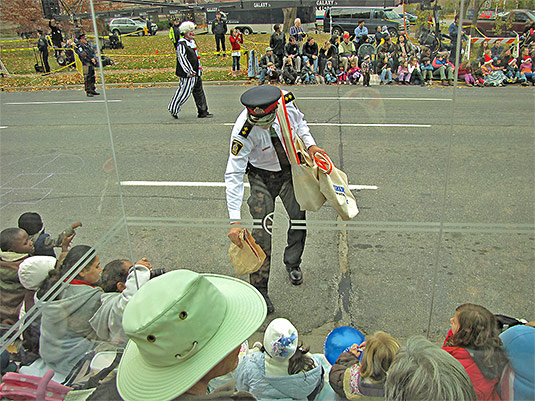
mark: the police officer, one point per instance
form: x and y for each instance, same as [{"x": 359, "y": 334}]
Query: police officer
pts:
[
  {"x": 87, "y": 55},
  {"x": 256, "y": 149},
  {"x": 188, "y": 68},
  {"x": 42, "y": 45},
  {"x": 219, "y": 29}
]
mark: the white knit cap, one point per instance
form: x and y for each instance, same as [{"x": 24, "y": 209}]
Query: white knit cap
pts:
[
  {"x": 280, "y": 343},
  {"x": 34, "y": 270}
]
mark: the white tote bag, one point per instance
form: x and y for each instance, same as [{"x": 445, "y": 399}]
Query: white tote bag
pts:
[
  {"x": 305, "y": 176},
  {"x": 335, "y": 187}
]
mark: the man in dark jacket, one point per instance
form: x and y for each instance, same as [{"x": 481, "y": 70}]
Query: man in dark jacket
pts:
[
  {"x": 42, "y": 45},
  {"x": 277, "y": 42},
  {"x": 291, "y": 50},
  {"x": 267, "y": 58},
  {"x": 219, "y": 29},
  {"x": 56, "y": 36},
  {"x": 86, "y": 52},
  {"x": 311, "y": 51},
  {"x": 189, "y": 70}
]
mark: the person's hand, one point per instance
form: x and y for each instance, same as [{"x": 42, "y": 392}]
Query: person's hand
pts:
[
  {"x": 66, "y": 241},
  {"x": 234, "y": 234},
  {"x": 357, "y": 349},
  {"x": 144, "y": 262},
  {"x": 314, "y": 149},
  {"x": 192, "y": 75},
  {"x": 76, "y": 225}
]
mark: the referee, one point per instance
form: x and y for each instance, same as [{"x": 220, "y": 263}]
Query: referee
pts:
[{"x": 189, "y": 70}]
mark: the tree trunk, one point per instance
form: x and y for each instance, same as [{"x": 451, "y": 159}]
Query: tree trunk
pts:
[
  {"x": 477, "y": 7},
  {"x": 290, "y": 14}
]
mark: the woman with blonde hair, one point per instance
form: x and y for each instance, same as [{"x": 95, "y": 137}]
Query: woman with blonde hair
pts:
[{"x": 351, "y": 379}]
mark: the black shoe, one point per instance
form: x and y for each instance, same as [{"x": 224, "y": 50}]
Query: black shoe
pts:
[
  {"x": 95, "y": 93},
  {"x": 174, "y": 116},
  {"x": 295, "y": 274},
  {"x": 270, "y": 307},
  {"x": 90, "y": 94},
  {"x": 206, "y": 115}
]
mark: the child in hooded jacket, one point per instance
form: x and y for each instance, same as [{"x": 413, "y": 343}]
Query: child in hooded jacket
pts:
[
  {"x": 329, "y": 74},
  {"x": 281, "y": 369},
  {"x": 353, "y": 74},
  {"x": 404, "y": 76},
  {"x": 366, "y": 70}
]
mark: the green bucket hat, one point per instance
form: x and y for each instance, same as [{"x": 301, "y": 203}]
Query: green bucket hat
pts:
[{"x": 181, "y": 325}]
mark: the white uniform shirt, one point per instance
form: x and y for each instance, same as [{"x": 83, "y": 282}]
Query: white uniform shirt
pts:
[{"x": 258, "y": 150}]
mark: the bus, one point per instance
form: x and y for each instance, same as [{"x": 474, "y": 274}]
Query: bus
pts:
[{"x": 260, "y": 19}]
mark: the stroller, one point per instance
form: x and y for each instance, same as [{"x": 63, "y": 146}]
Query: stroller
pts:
[{"x": 113, "y": 42}]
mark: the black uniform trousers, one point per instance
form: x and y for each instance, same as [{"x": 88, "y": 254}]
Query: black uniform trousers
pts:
[
  {"x": 188, "y": 86},
  {"x": 220, "y": 42},
  {"x": 89, "y": 78},
  {"x": 265, "y": 187},
  {"x": 44, "y": 58}
]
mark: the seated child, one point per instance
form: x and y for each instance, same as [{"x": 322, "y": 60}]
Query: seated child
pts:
[
  {"x": 465, "y": 72},
  {"x": 15, "y": 246},
  {"x": 353, "y": 74},
  {"x": 427, "y": 70},
  {"x": 477, "y": 73},
  {"x": 33, "y": 271},
  {"x": 329, "y": 73},
  {"x": 342, "y": 76},
  {"x": 281, "y": 369},
  {"x": 414, "y": 70},
  {"x": 289, "y": 74},
  {"x": 43, "y": 243},
  {"x": 513, "y": 73},
  {"x": 119, "y": 282},
  {"x": 351, "y": 379},
  {"x": 404, "y": 77},
  {"x": 386, "y": 71},
  {"x": 272, "y": 73},
  {"x": 473, "y": 340},
  {"x": 366, "y": 70},
  {"x": 307, "y": 76}
]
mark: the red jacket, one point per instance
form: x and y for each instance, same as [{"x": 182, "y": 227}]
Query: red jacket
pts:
[
  {"x": 485, "y": 388},
  {"x": 235, "y": 41}
]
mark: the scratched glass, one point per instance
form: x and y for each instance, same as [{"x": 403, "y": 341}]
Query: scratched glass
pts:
[{"x": 442, "y": 175}]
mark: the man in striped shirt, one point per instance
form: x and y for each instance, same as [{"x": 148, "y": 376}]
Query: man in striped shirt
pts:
[{"x": 189, "y": 70}]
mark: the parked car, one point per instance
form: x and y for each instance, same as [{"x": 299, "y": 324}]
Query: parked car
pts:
[
  {"x": 506, "y": 25},
  {"x": 409, "y": 17},
  {"x": 122, "y": 25},
  {"x": 340, "y": 19}
]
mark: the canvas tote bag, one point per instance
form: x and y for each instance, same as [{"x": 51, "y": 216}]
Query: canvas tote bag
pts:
[
  {"x": 335, "y": 187},
  {"x": 249, "y": 258},
  {"x": 304, "y": 171}
]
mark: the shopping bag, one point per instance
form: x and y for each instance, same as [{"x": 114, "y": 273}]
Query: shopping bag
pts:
[
  {"x": 249, "y": 257},
  {"x": 304, "y": 171},
  {"x": 335, "y": 187}
]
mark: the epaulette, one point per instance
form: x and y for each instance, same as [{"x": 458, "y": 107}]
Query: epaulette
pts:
[
  {"x": 289, "y": 97},
  {"x": 246, "y": 129}
]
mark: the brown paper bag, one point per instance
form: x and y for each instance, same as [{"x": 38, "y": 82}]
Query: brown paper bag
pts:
[{"x": 249, "y": 258}]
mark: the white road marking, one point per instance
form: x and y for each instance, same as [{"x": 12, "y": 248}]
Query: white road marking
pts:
[
  {"x": 418, "y": 99},
  {"x": 64, "y": 102},
  {"x": 204, "y": 184},
  {"x": 3, "y": 127}
]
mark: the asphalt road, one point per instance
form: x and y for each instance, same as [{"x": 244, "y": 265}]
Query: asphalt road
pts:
[{"x": 445, "y": 182}]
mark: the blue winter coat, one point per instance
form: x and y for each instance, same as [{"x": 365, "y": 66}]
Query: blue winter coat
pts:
[{"x": 250, "y": 376}]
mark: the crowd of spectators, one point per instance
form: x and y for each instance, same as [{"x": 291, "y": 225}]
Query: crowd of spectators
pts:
[
  {"x": 340, "y": 60},
  {"x": 191, "y": 330}
]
